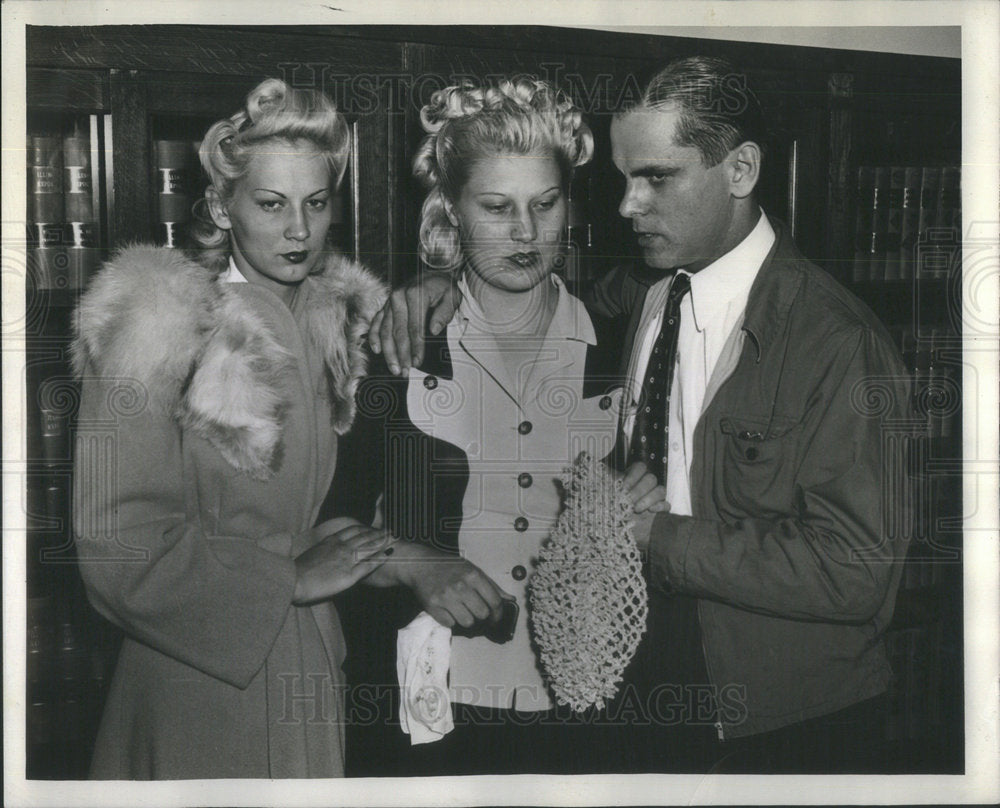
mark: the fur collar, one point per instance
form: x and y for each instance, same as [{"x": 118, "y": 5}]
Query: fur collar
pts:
[{"x": 208, "y": 359}]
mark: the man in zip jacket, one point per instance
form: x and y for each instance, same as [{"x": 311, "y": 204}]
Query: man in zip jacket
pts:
[{"x": 778, "y": 438}]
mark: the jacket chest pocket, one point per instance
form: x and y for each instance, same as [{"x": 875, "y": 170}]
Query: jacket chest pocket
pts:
[{"x": 757, "y": 474}]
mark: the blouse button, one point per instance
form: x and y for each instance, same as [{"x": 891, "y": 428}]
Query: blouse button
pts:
[
  {"x": 524, "y": 479},
  {"x": 751, "y": 453},
  {"x": 520, "y": 524},
  {"x": 605, "y": 402},
  {"x": 524, "y": 427},
  {"x": 430, "y": 382},
  {"x": 518, "y": 573}
]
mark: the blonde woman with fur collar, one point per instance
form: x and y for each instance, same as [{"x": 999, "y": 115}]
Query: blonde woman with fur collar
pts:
[{"x": 213, "y": 394}]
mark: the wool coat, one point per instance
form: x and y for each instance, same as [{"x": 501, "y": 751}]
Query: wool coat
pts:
[{"x": 206, "y": 441}]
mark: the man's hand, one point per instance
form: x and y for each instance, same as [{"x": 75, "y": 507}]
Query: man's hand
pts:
[
  {"x": 344, "y": 551},
  {"x": 398, "y": 330},
  {"x": 642, "y": 528},
  {"x": 646, "y": 493}
]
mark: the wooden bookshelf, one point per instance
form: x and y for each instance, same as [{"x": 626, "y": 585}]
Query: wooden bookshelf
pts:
[{"x": 832, "y": 112}]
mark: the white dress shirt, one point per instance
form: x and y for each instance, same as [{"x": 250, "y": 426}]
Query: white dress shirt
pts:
[{"x": 710, "y": 314}]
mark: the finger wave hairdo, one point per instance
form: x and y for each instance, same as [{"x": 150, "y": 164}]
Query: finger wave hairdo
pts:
[
  {"x": 273, "y": 111},
  {"x": 717, "y": 108},
  {"x": 466, "y": 121}
]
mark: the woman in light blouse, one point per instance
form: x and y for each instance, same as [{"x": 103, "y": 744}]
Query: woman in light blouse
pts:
[{"x": 475, "y": 439}]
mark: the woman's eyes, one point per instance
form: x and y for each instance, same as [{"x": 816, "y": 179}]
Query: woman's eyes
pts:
[
  {"x": 272, "y": 205},
  {"x": 542, "y": 204}
]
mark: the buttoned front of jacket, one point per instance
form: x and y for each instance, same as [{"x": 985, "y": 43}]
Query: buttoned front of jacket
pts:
[{"x": 518, "y": 435}]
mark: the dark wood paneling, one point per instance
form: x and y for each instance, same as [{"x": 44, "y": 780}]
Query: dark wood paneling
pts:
[
  {"x": 375, "y": 220},
  {"x": 132, "y": 214},
  {"x": 216, "y": 50},
  {"x": 813, "y": 139},
  {"x": 656, "y": 48},
  {"x": 839, "y": 210},
  {"x": 74, "y": 90},
  {"x": 197, "y": 94}
]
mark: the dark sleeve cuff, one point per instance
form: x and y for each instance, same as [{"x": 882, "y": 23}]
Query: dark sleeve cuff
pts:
[{"x": 668, "y": 542}]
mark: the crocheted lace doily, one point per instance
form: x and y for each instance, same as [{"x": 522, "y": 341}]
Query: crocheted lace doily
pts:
[{"x": 588, "y": 594}]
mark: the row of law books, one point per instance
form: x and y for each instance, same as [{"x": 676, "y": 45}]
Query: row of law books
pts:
[
  {"x": 67, "y": 674},
  {"x": 933, "y": 360},
  {"x": 176, "y": 166},
  {"x": 64, "y": 209},
  {"x": 900, "y": 211},
  {"x": 63, "y": 230}
]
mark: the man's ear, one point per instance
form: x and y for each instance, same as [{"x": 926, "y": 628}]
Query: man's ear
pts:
[
  {"x": 744, "y": 169},
  {"x": 217, "y": 209}
]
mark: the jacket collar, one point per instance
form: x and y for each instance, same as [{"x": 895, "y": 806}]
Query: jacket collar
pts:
[
  {"x": 773, "y": 291},
  {"x": 570, "y": 323}
]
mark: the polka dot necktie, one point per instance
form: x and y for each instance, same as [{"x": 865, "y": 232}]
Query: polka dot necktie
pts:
[{"x": 652, "y": 423}]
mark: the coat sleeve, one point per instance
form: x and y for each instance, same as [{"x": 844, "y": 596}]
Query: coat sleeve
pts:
[
  {"x": 827, "y": 558},
  {"x": 213, "y": 602}
]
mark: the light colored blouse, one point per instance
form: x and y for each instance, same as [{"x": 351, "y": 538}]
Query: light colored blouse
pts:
[{"x": 518, "y": 434}]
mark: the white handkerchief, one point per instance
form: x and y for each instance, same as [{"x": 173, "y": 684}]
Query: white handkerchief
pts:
[{"x": 423, "y": 654}]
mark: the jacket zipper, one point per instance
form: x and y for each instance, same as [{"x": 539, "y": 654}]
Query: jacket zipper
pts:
[{"x": 711, "y": 679}]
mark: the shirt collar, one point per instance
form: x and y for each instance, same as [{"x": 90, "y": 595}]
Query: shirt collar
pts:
[
  {"x": 725, "y": 283},
  {"x": 569, "y": 321}
]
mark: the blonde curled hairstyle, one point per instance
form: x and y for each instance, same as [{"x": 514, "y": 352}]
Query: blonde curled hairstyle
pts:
[
  {"x": 464, "y": 122},
  {"x": 273, "y": 111}
]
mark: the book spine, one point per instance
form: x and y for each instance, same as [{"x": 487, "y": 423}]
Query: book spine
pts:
[
  {"x": 81, "y": 223},
  {"x": 862, "y": 223},
  {"x": 934, "y": 382},
  {"x": 40, "y": 643},
  {"x": 173, "y": 160},
  {"x": 46, "y": 258},
  {"x": 930, "y": 184},
  {"x": 946, "y": 374},
  {"x": 922, "y": 378},
  {"x": 948, "y": 217},
  {"x": 879, "y": 223},
  {"x": 909, "y": 222},
  {"x": 55, "y": 441},
  {"x": 894, "y": 223},
  {"x": 949, "y": 209}
]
